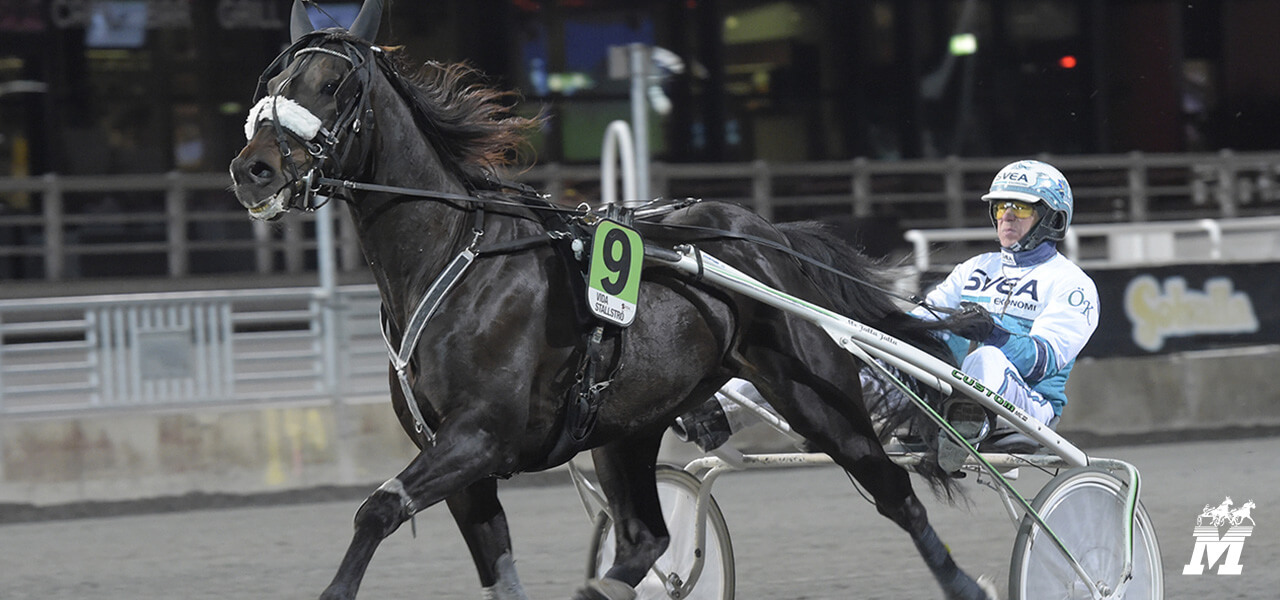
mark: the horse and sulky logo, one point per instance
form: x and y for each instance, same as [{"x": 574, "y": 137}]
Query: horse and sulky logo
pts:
[{"x": 1212, "y": 545}]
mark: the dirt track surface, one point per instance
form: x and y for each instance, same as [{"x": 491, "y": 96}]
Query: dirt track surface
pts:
[{"x": 797, "y": 534}]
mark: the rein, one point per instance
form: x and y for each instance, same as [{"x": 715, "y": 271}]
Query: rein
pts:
[
  {"x": 713, "y": 233},
  {"x": 640, "y": 214}
]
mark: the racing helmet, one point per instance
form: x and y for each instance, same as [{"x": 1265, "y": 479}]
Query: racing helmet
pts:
[{"x": 1044, "y": 187}]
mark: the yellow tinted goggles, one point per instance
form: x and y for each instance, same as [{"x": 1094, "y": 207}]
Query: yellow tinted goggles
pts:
[{"x": 1020, "y": 210}]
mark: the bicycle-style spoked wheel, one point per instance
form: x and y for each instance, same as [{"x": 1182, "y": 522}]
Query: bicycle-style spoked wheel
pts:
[
  {"x": 678, "y": 492},
  {"x": 1085, "y": 507}
]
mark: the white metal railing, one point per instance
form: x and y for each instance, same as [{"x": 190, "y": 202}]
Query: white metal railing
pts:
[
  {"x": 1200, "y": 240},
  {"x": 157, "y": 351},
  {"x": 942, "y": 193},
  {"x": 59, "y": 223},
  {"x": 57, "y": 227},
  {"x": 153, "y": 351}
]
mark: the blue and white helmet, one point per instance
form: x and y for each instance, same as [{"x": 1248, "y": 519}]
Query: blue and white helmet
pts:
[{"x": 1041, "y": 185}]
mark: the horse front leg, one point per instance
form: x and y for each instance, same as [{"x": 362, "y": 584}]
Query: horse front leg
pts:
[
  {"x": 483, "y": 524},
  {"x": 626, "y": 471},
  {"x": 436, "y": 473},
  {"x": 378, "y": 517}
]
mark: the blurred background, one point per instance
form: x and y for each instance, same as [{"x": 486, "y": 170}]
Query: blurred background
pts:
[{"x": 153, "y": 338}]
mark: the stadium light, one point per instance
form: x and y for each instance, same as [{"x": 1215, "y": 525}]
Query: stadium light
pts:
[{"x": 963, "y": 44}]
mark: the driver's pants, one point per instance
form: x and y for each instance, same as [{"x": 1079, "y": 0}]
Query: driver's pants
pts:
[{"x": 990, "y": 366}]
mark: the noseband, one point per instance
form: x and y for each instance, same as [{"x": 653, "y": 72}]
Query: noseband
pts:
[{"x": 334, "y": 145}]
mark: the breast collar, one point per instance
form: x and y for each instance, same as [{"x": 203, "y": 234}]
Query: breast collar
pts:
[{"x": 402, "y": 356}]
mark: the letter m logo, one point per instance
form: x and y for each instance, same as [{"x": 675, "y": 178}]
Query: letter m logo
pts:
[{"x": 1209, "y": 547}]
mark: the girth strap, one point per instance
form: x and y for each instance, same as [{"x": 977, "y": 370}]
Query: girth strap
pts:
[
  {"x": 413, "y": 331},
  {"x": 583, "y": 404}
]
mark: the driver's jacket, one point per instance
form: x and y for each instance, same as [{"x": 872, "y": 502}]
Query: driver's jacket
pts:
[{"x": 1047, "y": 305}]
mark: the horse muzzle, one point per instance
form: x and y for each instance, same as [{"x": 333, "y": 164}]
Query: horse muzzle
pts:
[
  {"x": 261, "y": 183},
  {"x": 273, "y": 207}
]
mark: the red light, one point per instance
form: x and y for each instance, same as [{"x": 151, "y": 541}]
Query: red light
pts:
[{"x": 1067, "y": 62}]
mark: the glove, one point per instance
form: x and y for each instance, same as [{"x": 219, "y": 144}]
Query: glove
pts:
[{"x": 973, "y": 322}]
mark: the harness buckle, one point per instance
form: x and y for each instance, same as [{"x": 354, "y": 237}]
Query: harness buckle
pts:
[
  {"x": 316, "y": 150},
  {"x": 587, "y": 217},
  {"x": 475, "y": 239}
]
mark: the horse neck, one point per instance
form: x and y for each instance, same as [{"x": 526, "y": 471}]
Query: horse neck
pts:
[{"x": 407, "y": 241}]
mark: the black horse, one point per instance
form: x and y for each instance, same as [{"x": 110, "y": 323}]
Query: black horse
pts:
[{"x": 511, "y": 375}]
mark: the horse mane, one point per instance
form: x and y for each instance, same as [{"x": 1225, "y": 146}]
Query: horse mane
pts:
[{"x": 472, "y": 124}]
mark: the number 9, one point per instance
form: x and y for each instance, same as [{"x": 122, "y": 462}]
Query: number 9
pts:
[{"x": 615, "y": 238}]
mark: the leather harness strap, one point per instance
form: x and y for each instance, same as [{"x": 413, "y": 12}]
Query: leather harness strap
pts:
[{"x": 401, "y": 357}]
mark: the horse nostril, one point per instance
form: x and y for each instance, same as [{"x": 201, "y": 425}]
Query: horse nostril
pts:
[{"x": 261, "y": 171}]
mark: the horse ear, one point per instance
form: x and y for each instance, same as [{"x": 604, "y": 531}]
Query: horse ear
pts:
[
  {"x": 299, "y": 21},
  {"x": 366, "y": 24}
]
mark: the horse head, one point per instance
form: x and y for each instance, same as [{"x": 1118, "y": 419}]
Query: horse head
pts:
[{"x": 309, "y": 120}]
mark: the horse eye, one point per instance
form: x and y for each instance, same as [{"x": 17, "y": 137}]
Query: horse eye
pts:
[{"x": 330, "y": 88}]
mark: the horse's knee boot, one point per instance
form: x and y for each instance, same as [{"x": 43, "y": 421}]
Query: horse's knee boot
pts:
[
  {"x": 508, "y": 585},
  {"x": 384, "y": 510}
]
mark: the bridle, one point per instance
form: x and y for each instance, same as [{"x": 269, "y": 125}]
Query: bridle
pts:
[{"x": 330, "y": 147}]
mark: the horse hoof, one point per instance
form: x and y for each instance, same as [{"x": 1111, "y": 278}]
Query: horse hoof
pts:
[
  {"x": 605, "y": 589},
  {"x": 968, "y": 588},
  {"x": 987, "y": 584}
]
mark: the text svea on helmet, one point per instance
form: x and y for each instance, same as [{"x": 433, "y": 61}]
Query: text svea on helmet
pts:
[{"x": 1035, "y": 182}]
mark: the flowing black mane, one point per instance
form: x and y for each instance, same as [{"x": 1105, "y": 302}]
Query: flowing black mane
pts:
[{"x": 472, "y": 124}]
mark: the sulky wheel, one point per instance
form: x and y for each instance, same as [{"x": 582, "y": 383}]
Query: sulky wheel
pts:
[
  {"x": 678, "y": 492},
  {"x": 1085, "y": 507}
]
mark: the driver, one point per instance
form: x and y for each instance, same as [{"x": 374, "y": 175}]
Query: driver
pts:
[
  {"x": 1034, "y": 308},
  {"x": 1037, "y": 308}
]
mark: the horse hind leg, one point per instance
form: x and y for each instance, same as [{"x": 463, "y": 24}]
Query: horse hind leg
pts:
[
  {"x": 483, "y": 525},
  {"x": 890, "y": 485},
  {"x": 836, "y": 423},
  {"x": 626, "y": 472}
]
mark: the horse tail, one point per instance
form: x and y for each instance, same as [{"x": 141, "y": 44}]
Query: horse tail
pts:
[{"x": 863, "y": 296}]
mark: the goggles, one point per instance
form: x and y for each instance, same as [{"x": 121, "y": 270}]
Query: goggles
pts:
[{"x": 1020, "y": 210}]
